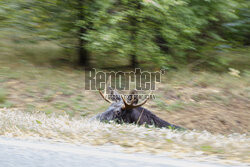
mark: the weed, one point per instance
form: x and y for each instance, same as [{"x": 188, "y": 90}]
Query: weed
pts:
[
  {"x": 49, "y": 97},
  {"x": 208, "y": 148},
  {"x": 3, "y": 96},
  {"x": 176, "y": 106}
]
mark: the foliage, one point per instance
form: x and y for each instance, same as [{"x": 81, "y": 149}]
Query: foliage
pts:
[
  {"x": 155, "y": 31},
  {"x": 239, "y": 29}
]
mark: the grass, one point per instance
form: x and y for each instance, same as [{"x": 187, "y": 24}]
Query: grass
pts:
[
  {"x": 173, "y": 107},
  {"x": 208, "y": 148},
  {"x": 4, "y": 99},
  {"x": 3, "y": 96},
  {"x": 194, "y": 100},
  {"x": 80, "y": 130}
]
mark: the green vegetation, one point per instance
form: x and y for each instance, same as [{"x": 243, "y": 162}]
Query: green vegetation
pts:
[
  {"x": 146, "y": 33},
  {"x": 210, "y": 149},
  {"x": 2, "y": 96},
  {"x": 219, "y": 100},
  {"x": 202, "y": 44}
]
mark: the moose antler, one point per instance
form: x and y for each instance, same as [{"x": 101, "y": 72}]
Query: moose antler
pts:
[
  {"x": 104, "y": 96},
  {"x": 131, "y": 106}
]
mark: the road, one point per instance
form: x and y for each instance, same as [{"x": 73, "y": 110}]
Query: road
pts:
[{"x": 26, "y": 153}]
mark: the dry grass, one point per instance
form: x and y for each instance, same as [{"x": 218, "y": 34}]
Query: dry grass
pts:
[
  {"x": 218, "y": 103},
  {"x": 16, "y": 123}
]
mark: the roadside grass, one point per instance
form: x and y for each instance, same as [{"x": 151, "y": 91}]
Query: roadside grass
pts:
[
  {"x": 217, "y": 102},
  {"x": 208, "y": 148},
  {"x": 3, "y": 96},
  {"x": 232, "y": 148}
]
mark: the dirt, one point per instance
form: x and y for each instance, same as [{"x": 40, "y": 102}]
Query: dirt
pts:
[
  {"x": 222, "y": 117},
  {"x": 217, "y": 109}
]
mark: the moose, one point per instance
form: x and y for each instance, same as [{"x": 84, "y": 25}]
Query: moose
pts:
[{"x": 129, "y": 110}]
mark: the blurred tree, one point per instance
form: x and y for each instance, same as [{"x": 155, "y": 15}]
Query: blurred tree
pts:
[
  {"x": 64, "y": 21},
  {"x": 83, "y": 53},
  {"x": 133, "y": 19},
  {"x": 239, "y": 28},
  {"x": 152, "y": 31}
]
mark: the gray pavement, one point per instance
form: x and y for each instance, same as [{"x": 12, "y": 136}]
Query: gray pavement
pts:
[{"x": 25, "y": 153}]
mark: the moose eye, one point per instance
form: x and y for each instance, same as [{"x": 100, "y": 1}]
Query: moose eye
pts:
[{"x": 118, "y": 113}]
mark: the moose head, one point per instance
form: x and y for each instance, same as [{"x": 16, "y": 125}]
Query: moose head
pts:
[{"x": 129, "y": 110}]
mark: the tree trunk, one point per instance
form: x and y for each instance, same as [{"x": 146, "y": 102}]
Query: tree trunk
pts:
[
  {"x": 133, "y": 32},
  {"x": 134, "y": 62},
  {"x": 82, "y": 52}
]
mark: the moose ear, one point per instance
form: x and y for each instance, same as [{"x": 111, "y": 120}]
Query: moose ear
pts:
[
  {"x": 115, "y": 96},
  {"x": 133, "y": 95}
]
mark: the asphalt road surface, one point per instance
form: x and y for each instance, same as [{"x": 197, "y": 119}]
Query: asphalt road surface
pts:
[{"x": 24, "y": 153}]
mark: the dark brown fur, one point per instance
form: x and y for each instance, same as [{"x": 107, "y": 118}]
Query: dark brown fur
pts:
[{"x": 138, "y": 115}]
